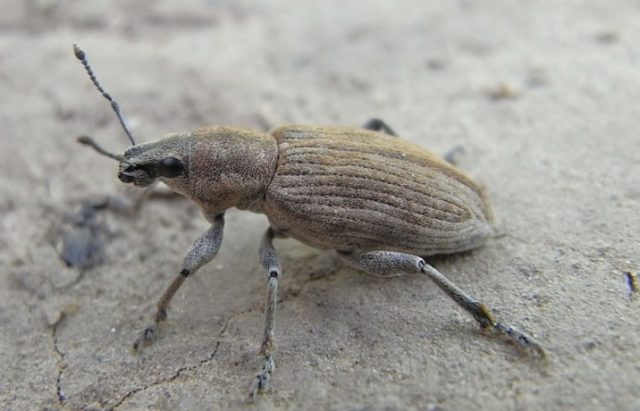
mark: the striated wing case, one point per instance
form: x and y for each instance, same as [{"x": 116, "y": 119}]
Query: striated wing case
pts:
[{"x": 351, "y": 189}]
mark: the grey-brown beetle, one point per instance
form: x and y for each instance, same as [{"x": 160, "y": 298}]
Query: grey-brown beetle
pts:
[{"x": 382, "y": 203}]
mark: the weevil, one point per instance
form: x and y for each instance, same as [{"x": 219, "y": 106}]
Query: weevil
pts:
[{"x": 382, "y": 203}]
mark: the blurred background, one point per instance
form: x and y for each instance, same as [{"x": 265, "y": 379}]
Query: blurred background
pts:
[{"x": 542, "y": 98}]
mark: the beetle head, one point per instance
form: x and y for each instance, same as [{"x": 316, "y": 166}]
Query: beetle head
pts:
[
  {"x": 162, "y": 160},
  {"x": 218, "y": 167},
  {"x": 143, "y": 164}
]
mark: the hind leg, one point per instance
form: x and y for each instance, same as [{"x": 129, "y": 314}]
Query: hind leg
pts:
[
  {"x": 385, "y": 262},
  {"x": 375, "y": 124}
]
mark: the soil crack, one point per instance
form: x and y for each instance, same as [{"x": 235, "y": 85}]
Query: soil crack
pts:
[
  {"x": 177, "y": 373},
  {"x": 284, "y": 297},
  {"x": 62, "y": 365},
  {"x": 170, "y": 379}
]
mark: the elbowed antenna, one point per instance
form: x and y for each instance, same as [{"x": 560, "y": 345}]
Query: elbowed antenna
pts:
[
  {"x": 88, "y": 141},
  {"x": 81, "y": 55}
]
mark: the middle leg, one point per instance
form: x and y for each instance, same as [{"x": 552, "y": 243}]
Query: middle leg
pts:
[{"x": 270, "y": 262}]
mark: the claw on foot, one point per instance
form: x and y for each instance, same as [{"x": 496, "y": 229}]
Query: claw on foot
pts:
[
  {"x": 521, "y": 338},
  {"x": 261, "y": 380},
  {"x": 145, "y": 339}
]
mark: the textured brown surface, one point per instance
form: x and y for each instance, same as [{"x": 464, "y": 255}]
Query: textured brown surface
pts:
[
  {"x": 347, "y": 189},
  {"x": 225, "y": 166},
  {"x": 542, "y": 96}
]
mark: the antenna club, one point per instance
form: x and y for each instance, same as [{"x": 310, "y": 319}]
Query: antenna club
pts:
[
  {"x": 80, "y": 54},
  {"x": 86, "y": 140}
]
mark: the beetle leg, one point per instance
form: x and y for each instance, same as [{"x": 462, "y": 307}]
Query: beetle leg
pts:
[
  {"x": 376, "y": 124},
  {"x": 380, "y": 262},
  {"x": 203, "y": 250},
  {"x": 453, "y": 155},
  {"x": 269, "y": 261}
]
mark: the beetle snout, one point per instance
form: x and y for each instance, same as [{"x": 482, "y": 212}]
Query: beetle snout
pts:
[
  {"x": 127, "y": 173},
  {"x": 134, "y": 174},
  {"x": 125, "y": 178}
]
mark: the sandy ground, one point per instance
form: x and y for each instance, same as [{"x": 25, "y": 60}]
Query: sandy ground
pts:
[{"x": 543, "y": 97}]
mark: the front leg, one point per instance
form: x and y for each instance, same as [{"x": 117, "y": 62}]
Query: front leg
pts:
[
  {"x": 203, "y": 250},
  {"x": 269, "y": 261},
  {"x": 385, "y": 262}
]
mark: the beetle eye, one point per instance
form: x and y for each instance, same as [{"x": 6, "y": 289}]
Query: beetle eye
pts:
[{"x": 170, "y": 167}]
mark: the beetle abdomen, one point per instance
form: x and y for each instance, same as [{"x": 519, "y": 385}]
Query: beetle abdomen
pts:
[{"x": 350, "y": 189}]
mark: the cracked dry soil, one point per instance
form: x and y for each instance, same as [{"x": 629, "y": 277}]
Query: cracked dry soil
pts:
[{"x": 542, "y": 98}]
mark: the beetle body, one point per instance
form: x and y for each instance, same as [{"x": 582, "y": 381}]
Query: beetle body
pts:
[
  {"x": 381, "y": 202},
  {"x": 351, "y": 189},
  {"x": 339, "y": 188}
]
